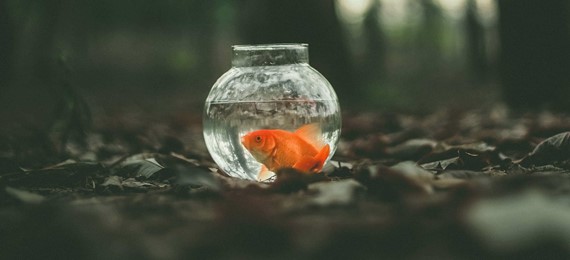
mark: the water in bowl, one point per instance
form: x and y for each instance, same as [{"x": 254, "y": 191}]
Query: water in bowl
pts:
[{"x": 225, "y": 123}]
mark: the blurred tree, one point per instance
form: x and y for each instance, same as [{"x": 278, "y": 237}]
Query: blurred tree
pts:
[
  {"x": 476, "y": 49},
  {"x": 39, "y": 96},
  {"x": 28, "y": 97},
  {"x": 312, "y": 22},
  {"x": 535, "y": 53},
  {"x": 429, "y": 36},
  {"x": 6, "y": 45},
  {"x": 373, "y": 65},
  {"x": 42, "y": 51}
]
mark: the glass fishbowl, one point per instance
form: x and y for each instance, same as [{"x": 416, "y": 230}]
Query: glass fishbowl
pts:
[{"x": 269, "y": 111}]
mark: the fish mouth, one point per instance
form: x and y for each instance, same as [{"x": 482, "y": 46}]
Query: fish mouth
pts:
[{"x": 244, "y": 141}]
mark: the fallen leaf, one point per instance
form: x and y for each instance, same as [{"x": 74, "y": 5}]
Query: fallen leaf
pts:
[
  {"x": 412, "y": 149},
  {"x": 24, "y": 196},
  {"x": 389, "y": 184},
  {"x": 191, "y": 175},
  {"x": 144, "y": 169},
  {"x": 461, "y": 174},
  {"x": 113, "y": 181},
  {"x": 553, "y": 149},
  {"x": 290, "y": 180},
  {"x": 520, "y": 221},
  {"x": 140, "y": 185},
  {"x": 336, "y": 193},
  {"x": 412, "y": 170}
]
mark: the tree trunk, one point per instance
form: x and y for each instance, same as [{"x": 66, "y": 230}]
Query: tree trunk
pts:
[
  {"x": 6, "y": 45},
  {"x": 475, "y": 43},
  {"x": 535, "y": 53},
  {"x": 300, "y": 21},
  {"x": 373, "y": 69}
]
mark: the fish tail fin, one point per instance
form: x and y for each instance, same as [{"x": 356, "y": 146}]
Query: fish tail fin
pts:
[
  {"x": 313, "y": 164},
  {"x": 322, "y": 156},
  {"x": 311, "y": 133}
]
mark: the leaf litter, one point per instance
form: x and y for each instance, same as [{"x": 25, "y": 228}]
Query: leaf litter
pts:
[{"x": 399, "y": 186}]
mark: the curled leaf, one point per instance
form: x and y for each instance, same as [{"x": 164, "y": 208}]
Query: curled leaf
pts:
[{"x": 554, "y": 149}]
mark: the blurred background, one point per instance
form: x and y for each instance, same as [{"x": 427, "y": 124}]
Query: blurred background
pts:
[{"x": 160, "y": 58}]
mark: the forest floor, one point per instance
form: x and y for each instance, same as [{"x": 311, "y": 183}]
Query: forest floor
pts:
[{"x": 450, "y": 184}]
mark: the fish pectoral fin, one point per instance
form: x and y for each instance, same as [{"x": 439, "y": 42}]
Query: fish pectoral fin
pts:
[
  {"x": 264, "y": 174},
  {"x": 313, "y": 164}
]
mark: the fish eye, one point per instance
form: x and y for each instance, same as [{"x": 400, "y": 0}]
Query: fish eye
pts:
[{"x": 258, "y": 138}]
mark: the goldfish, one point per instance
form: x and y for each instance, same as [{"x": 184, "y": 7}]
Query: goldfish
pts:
[{"x": 302, "y": 149}]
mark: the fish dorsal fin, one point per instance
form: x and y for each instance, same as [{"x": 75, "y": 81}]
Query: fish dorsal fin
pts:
[{"x": 311, "y": 133}]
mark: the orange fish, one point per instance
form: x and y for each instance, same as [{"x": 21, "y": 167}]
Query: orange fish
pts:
[{"x": 275, "y": 149}]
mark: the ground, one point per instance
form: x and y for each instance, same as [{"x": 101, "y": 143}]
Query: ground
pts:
[{"x": 450, "y": 184}]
